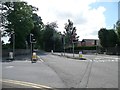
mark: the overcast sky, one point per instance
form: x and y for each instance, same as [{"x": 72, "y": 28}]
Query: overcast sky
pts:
[{"x": 88, "y": 16}]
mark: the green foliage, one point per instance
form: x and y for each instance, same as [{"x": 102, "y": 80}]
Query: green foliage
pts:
[
  {"x": 6, "y": 46},
  {"x": 102, "y": 34},
  {"x": 77, "y": 49},
  {"x": 19, "y": 18},
  {"x": 108, "y": 38},
  {"x": 118, "y": 31},
  {"x": 86, "y": 48},
  {"x": 37, "y": 30},
  {"x": 112, "y": 41},
  {"x": 51, "y": 38},
  {"x": 70, "y": 33}
]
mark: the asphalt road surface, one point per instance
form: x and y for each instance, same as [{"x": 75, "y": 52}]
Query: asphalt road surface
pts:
[
  {"x": 85, "y": 73},
  {"x": 60, "y": 72}
]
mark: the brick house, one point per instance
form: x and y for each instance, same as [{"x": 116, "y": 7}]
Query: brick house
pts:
[{"x": 88, "y": 42}]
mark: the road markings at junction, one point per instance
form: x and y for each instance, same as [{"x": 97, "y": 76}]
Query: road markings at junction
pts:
[
  {"x": 9, "y": 67},
  {"x": 28, "y": 84},
  {"x": 40, "y": 59},
  {"x": 105, "y": 60},
  {"x": 99, "y": 61}
]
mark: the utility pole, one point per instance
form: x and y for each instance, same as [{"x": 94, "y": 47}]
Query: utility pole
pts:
[{"x": 13, "y": 45}]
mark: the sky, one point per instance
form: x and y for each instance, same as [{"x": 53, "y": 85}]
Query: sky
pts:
[{"x": 88, "y": 16}]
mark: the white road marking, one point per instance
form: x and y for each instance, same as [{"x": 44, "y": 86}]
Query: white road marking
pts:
[
  {"x": 9, "y": 66},
  {"x": 40, "y": 59},
  {"x": 28, "y": 84}
]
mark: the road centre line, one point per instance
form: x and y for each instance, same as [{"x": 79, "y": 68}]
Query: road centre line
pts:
[{"x": 24, "y": 83}]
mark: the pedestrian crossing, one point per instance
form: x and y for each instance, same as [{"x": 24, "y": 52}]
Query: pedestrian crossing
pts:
[
  {"x": 105, "y": 60},
  {"x": 101, "y": 59}
]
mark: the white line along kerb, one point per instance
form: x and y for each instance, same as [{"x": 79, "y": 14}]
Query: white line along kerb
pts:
[{"x": 24, "y": 83}]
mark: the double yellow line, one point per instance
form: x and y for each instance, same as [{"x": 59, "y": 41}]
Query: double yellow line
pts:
[{"x": 28, "y": 84}]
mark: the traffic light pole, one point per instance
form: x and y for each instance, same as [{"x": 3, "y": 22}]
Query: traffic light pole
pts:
[
  {"x": 14, "y": 45},
  {"x": 31, "y": 45},
  {"x": 32, "y": 41},
  {"x": 31, "y": 51}
]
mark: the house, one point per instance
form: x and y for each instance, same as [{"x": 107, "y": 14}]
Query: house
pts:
[{"x": 88, "y": 42}]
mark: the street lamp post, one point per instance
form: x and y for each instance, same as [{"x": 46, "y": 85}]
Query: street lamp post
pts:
[{"x": 13, "y": 35}]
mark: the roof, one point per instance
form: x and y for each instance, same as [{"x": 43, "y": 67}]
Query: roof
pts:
[{"x": 90, "y": 39}]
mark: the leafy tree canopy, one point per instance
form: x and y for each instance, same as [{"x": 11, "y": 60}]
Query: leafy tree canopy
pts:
[
  {"x": 108, "y": 38},
  {"x": 70, "y": 33}
]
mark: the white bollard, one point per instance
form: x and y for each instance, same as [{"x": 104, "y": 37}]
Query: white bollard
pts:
[
  {"x": 52, "y": 51},
  {"x": 10, "y": 55}
]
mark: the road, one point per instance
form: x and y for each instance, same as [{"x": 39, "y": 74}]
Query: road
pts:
[
  {"x": 84, "y": 74},
  {"x": 60, "y": 72}
]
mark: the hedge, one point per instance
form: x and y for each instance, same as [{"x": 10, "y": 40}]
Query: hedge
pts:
[{"x": 83, "y": 48}]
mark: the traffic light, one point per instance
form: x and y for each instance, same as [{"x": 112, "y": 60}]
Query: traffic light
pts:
[{"x": 32, "y": 38}]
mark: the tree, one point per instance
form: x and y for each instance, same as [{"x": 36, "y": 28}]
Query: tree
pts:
[
  {"x": 51, "y": 37},
  {"x": 19, "y": 20},
  {"x": 37, "y": 30},
  {"x": 118, "y": 31},
  {"x": 112, "y": 38},
  {"x": 108, "y": 38},
  {"x": 70, "y": 33}
]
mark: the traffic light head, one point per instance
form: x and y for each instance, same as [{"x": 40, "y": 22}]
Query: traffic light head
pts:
[{"x": 32, "y": 38}]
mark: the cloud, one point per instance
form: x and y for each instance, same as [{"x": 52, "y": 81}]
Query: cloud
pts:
[{"x": 86, "y": 19}]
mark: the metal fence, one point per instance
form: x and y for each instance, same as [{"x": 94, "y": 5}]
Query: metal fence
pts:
[{"x": 5, "y": 52}]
